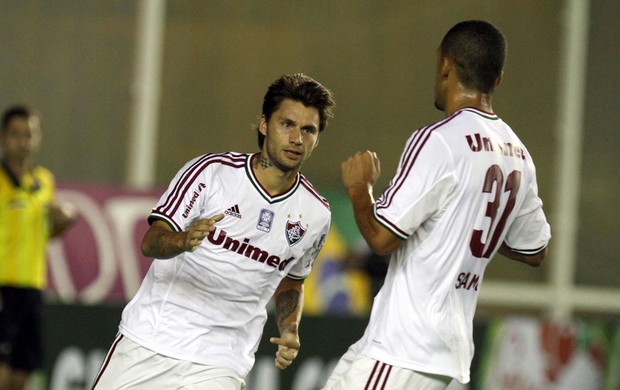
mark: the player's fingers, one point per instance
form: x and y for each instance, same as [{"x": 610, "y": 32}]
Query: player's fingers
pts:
[
  {"x": 277, "y": 341},
  {"x": 217, "y": 218},
  {"x": 288, "y": 354},
  {"x": 201, "y": 228},
  {"x": 285, "y": 342},
  {"x": 194, "y": 243},
  {"x": 285, "y": 357},
  {"x": 207, "y": 223},
  {"x": 376, "y": 162},
  {"x": 280, "y": 365}
]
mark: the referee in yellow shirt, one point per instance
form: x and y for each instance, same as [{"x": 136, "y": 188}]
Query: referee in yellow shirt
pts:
[{"x": 29, "y": 217}]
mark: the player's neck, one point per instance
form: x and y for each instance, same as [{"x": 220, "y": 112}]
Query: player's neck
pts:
[
  {"x": 17, "y": 167},
  {"x": 274, "y": 180},
  {"x": 466, "y": 98}
]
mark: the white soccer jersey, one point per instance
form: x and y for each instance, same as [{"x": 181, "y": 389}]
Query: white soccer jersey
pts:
[
  {"x": 463, "y": 186},
  {"x": 208, "y": 306}
]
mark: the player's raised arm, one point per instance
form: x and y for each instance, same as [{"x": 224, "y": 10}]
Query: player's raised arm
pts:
[
  {"x": 161, "y": 242},
  {"x": 359, "y": 175},
  {"x": 289, "y": 298}
]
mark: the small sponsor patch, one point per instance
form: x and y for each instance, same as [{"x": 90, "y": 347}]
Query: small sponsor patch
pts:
[{"x": 265, "y": 219}]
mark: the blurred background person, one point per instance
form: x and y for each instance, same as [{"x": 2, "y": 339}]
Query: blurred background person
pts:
[
  {"x": 29, "y": 217},
  {"x": 373, "y": 265}
]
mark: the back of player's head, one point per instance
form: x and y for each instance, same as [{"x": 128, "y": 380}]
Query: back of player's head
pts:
[
  {"x": 17, "y": 111},
  {"x": 300, "y": 88},
  {"x": 479, "y": 51}
]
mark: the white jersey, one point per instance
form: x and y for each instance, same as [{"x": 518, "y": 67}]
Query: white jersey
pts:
[
  {"x": 209, "y": 306},
  {"x": 463, "y": 186}
]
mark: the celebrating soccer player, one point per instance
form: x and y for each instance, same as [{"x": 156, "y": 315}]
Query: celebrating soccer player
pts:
[{"x": 231, "y": 231}]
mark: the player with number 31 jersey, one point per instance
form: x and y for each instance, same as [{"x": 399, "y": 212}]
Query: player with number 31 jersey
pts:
[
  {"x": 465, "y": 188},
  {"x": 441, "y": 173}
]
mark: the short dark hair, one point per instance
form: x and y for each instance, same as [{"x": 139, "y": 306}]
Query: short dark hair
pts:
[
  {"x": 479, "y": 50},
  {"x": 20, "y": 111},
  {"x": 300, "y": 88}
]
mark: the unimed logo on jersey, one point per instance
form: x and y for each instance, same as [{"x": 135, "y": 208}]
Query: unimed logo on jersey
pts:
[
  {"x": 246, "y": 249},
  {"x": 195, "y": 195},
  {"x": 478, "y": 143}
]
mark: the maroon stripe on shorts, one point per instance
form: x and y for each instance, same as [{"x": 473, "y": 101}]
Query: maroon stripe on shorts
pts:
[
  {"x": 379, "y": 381},
  {"x": 106, "y": 361},
  {"x": 387, "y": 375},
  {"x": 372, "y": 374}
]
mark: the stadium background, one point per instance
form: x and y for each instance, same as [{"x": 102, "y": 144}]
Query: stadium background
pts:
[{"x": 77, "y": 62}]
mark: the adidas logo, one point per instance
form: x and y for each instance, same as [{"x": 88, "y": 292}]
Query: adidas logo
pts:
[{"x": 233, "y": 211}]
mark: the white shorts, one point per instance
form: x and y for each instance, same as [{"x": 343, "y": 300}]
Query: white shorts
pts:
[
  {"x": 358, "y": 372},
  {"x": 131, "y": 366}
]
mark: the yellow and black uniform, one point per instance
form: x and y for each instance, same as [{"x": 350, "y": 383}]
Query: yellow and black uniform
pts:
[
  {"x": 24, "y": 234},
  {"x": 24, "y": 227}
]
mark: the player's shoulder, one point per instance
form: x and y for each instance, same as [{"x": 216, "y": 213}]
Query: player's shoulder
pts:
[
  {"x": 450, "y": 129},
  {"x": 42, "y": 171},
  {"x": 43, "y": 175},
  {"x": 232, "y": 159},
  {"x": 306, "y": 186},
  {"x": 214, "y": 161},
  {"x": 461, "y": 118}
]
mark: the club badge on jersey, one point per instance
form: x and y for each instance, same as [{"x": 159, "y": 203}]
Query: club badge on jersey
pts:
[{"x": 294, "y": 232}]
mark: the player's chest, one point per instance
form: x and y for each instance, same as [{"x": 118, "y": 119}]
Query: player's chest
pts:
[
  {"x": 251, "y": 224},
  {"x": 23, "y": 200}
]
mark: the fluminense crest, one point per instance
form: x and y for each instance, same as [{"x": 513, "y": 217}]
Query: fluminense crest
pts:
[{"x": 294, "y": 232}]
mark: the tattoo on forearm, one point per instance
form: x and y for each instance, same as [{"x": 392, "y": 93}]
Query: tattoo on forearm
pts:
[
  {"x": 161, "y": 247},
  {"x": 286, "y": 304}
]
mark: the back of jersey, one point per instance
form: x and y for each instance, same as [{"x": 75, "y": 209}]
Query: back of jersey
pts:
[
  {"x": 463, "y": 186},
  {"x": 496, "y": 180}
]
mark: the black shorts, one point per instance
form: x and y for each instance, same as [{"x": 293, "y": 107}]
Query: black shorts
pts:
[{"x": 21, "y": 339}]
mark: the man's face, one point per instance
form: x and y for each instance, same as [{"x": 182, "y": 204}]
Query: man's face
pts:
[
  {"x": 20, "y": 139},
  {"x": 291, "y": 134}
]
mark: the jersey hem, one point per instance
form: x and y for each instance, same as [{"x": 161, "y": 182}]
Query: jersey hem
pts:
[
  {"x": 160, "y": 217},
  {"x": 179, "y": 356},
  {"x": 384, "y": 358},
  {"x": 528, "y": 252}
]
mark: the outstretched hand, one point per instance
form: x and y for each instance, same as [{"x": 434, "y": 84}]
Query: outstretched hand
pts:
[
  {"x": 288, "y": 346},
  {"x": 199, "y": 230}
]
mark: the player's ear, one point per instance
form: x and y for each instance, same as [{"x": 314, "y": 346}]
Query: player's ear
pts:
[
  {"x": 499, "y": 79},
  {"x": 445, "y": 67},
  {"x": 262, "y": 125}
]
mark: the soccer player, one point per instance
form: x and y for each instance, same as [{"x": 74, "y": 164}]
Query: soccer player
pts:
[
  {"x": 231, "y": 231},
  {"x": 465, "y": 188},
  {"x": 29, "y": 216}
]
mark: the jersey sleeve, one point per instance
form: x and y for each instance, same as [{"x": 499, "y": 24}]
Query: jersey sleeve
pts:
[
  {"x": 423, "y": 184},
  {"x": 182, "y": 201},
  {"x": 303, "y": 267},
  {"x": 529, "y": 233}
]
